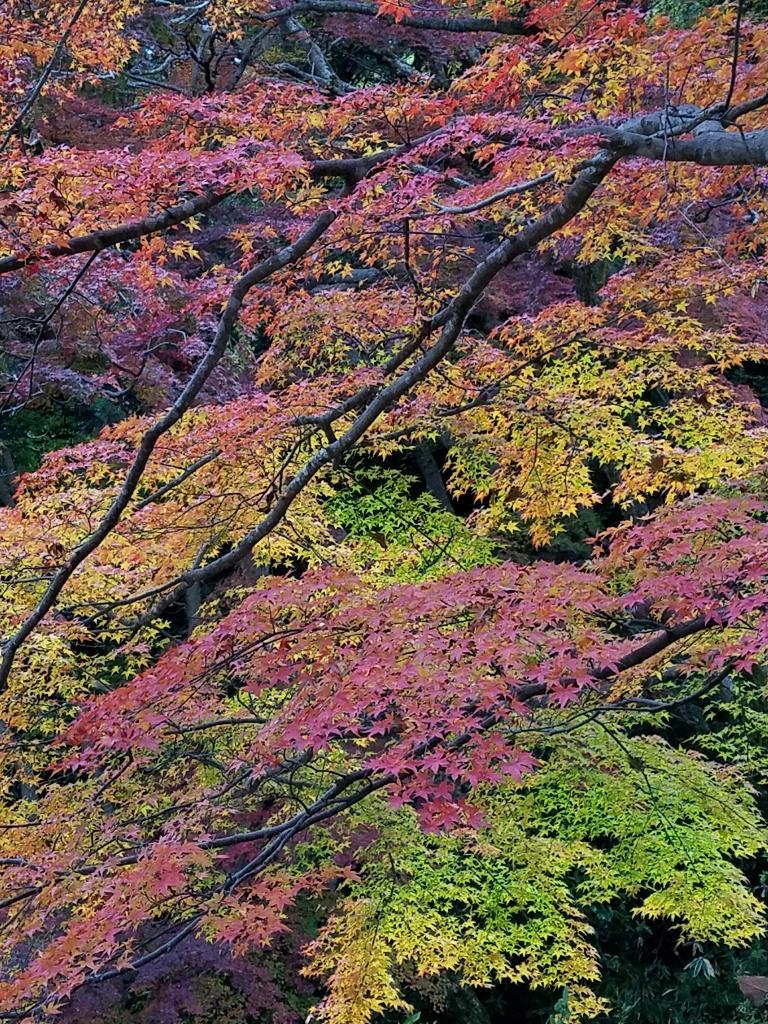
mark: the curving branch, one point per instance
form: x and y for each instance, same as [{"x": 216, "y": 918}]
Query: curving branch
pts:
[
  {"x": 450, "y": 322},
  {"x": 112, "y": 517},
  {"x": 496, "y": 197}
]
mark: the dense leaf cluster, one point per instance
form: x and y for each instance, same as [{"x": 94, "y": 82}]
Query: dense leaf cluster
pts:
[{"x": 383, "y": 511}]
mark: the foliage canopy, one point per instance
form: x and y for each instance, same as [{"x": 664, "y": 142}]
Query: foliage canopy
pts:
[{"x": 384, "y": 526}]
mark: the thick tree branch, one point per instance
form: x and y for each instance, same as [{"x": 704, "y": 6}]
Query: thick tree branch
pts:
[
  {"x": 451, "y": 320},
  {"x": 435, "y": 22},
  {"x": 715, "y": 148},
  {"x": 709, "y": 142},
  {"x": 95, "y": 241}
]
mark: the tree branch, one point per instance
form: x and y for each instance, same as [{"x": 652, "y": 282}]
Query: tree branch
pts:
[
  {"x": 227, "y": 321},
  {"x": 46, "y": 74},
  {"x": 451, "y": 320},
  {"x": 435, "y": 22},
  {"x": 95, "y": 241}
]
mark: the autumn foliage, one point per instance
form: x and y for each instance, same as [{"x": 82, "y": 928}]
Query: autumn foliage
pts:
[{"x": 419, "y": 483}]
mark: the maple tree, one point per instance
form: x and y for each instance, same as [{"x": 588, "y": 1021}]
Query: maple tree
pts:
[{"x": 350, "y": 313}]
